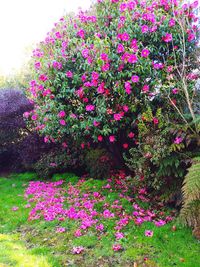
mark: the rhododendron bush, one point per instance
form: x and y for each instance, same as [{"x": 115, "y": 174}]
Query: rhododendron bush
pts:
[{"x": 98, "y": 73}]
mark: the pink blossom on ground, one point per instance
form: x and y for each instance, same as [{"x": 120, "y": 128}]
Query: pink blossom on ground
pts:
[
  {"x": 100, "y": 227},
  {"x": 117, "y": 247},
  {"x": 77, "y": 250},
  {"x": 148, "y": 233},
  {"x": 159, "y": 223},
  {"x": 15, "y": 208},
  {"x": 78, "y": 233},
  {"x": 60, "y": 229},
  {"x": 119, "y": 235}
]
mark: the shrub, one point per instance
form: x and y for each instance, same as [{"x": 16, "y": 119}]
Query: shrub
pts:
[
  {"x": 120, "y": 76},
  {"x": 13, "y": 103}
]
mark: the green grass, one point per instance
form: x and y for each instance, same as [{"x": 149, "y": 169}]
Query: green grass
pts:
[{"x": 35, "y": 243}]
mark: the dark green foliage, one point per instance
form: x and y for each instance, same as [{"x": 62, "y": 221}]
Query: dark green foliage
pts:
[{"x": 98, "y": 163}]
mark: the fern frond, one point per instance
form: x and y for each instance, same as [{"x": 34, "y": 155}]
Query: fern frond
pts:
[{"x": 190, "y": 212}]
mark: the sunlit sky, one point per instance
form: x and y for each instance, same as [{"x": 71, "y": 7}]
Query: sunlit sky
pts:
[{"x": 23, "y": 23}]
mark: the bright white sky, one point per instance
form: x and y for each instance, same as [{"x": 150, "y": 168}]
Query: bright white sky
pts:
[{"x": 26, "y": 22}]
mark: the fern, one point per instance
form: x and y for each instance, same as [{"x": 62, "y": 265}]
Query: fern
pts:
[{"x": 190, "y": 212}]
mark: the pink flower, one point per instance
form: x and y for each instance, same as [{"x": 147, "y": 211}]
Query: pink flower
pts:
[
  {"x": 191, "y": 37},
  {"x": 95, "y": 75},
  {"x": 145, "y": 88},
  {"x": 81, "y": 33},
  {"x": 34, "y": 117},
  {"x": 135, "y": 78},
  {"x": 149, "y": 233},
  {"x": 26, "y": 115},
  {"x": 100, "y": 138},
  {"x": 64, "y": 144},
  {"x": 124, "y": 36},
  {"x": 120, "y": 48},
  {"x": 145, "y": 53},
  {"x": 105, "y": 67},
  {"x": 175, "y": 91},
  {"x": 125, "y": 108},
  {"x": 132, "y": 58},
  {"x": 61, "y": 114},
  {"x": 112, "y": 138},
  {"x": 77, "y": 250},
  {"x": 122, "y": 7},
  {"x": 178, "y": 140},
  {"x": 127, "y": 87},
  {"x": 131, "y": 135},
  {"x": 62, "y": 122},
  {"x": 144, "y": 28},
  {"x": 96, "y": 123},
  {"x": 158, "y": 66},
  {"x": 169, "y": 68},
  {"x": 90, "y": 108},
  {"x": 125, "y": 146},
  {"x": 58, "y": 35},
  {"x": 172, "y": 22},
  {"x": 85, "y": 53},
  {"x": 155, "y": 120},
  {"x": 107, "y": 214},
  {"x": 69, "y": 74},
  {"x": 117, "y": 116},
  {"x": 37, "y": 65},
  {"x": 117, "y": 247},
  {"x": 104, "y": 57},
  {"x": 43, "y": 77},
  {"x": 167, "y": 38}
]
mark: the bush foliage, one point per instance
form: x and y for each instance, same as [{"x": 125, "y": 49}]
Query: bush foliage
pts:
[{"x": 120, "y": 76}]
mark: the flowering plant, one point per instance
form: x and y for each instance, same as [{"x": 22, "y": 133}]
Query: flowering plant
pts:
[{"x": 95, "y": 74}]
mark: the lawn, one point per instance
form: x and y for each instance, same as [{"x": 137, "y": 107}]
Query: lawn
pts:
[{"x": 87, "y": 223}]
